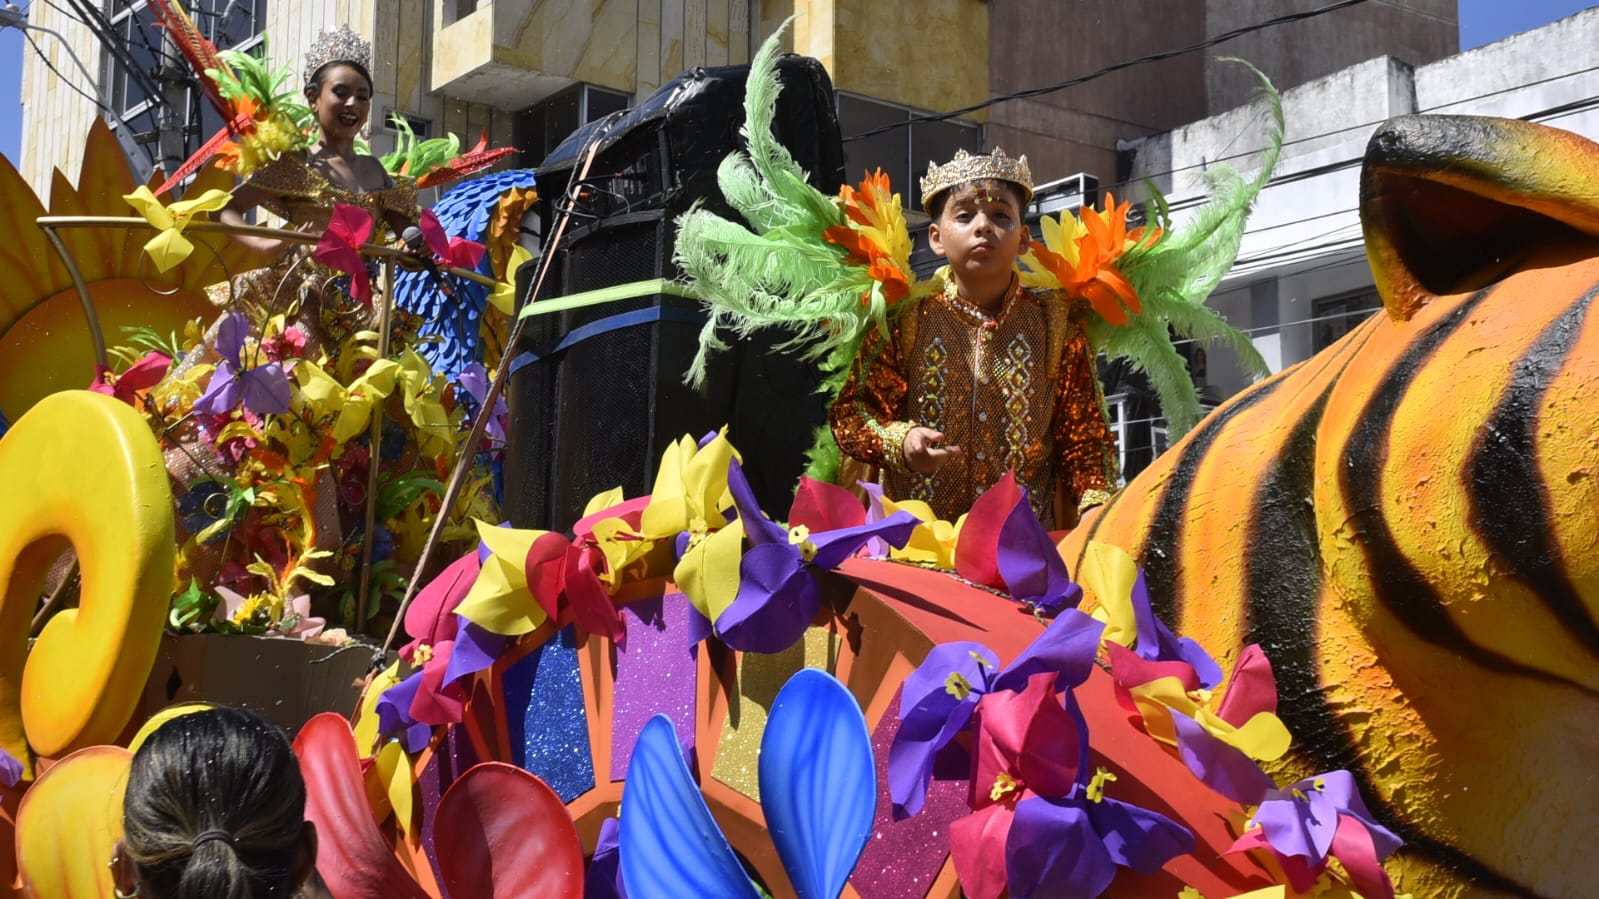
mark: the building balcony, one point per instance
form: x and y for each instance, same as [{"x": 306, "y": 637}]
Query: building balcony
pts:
[{"x": 513, "y": 53}]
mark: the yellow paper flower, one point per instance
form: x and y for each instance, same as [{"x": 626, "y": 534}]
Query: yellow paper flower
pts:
[
  {"x": 933, "y": 541},
  {"x": 169, "y": 247},
  {"x": 352, "y": 406},
  {"x": 708, "y": 572},
  {"x": 690, "y": 489},
  {"x": 500, "y": 600},
  {"x": 503, "y": 297},
  {"x": 421, "y": 390}
]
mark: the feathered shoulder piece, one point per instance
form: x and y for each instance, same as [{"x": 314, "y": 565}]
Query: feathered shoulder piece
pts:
[
  {"x": 269, "y": 119},
  {"x": 826, "y": 268},
  {"x": 1142, "y": 285},
  {"x": 437, "y": 161}
]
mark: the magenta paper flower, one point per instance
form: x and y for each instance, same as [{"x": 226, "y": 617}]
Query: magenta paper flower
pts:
[
  {"x": 938, "y": 698},
  {"x": 261, "y": 389},
  {"x": 1319, "y": 818},
  {"x": 1042, "y": 826},
  {"x": 778, "y": 595},
  {"x": 141, "y": 375},
  {"x": 340, "y": 249},
  {"x": 446, "y": 649},
  {"x": 448, "y": 251},
  {"x": 1219, "y": 745}
]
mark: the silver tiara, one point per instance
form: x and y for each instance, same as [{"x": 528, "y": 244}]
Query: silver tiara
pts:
[{"x": 343, "y": 45}]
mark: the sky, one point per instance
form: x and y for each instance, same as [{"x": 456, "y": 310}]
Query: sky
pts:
[{"x": 1481, "y": 22}]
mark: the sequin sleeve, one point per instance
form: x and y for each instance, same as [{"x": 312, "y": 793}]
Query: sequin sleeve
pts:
[
  {"x": 1085, "y": 460},
  {"x": 867, "y": 415}
]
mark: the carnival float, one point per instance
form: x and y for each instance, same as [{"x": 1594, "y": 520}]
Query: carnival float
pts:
[{"x": 1332, "y": 643}]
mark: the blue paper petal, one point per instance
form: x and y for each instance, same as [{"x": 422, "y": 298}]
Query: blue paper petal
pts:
[
  {"x": 818, "y": 782},
  {"x": 777, "y": 600},
  {"x": 833, "y": 547},
  {"x": 1030, "y": 565},
  {"x": 1068, "y": 647},
  {"x": 671, "y": 847},
  {"x": 1136, "y": 837},
  {"x": 1053, "y": 850}
]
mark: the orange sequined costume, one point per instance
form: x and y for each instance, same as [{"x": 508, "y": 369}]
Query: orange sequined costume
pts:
[{"x": 1015, "y": 391}]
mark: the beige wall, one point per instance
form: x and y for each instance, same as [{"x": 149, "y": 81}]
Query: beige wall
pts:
[{"x": 55, "y": 118}]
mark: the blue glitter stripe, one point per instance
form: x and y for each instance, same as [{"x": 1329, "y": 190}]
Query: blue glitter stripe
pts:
[{"x": 545, "y": 716}]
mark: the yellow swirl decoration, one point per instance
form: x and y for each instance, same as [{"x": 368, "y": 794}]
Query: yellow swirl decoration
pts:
[{"x": 80, "y": 469}]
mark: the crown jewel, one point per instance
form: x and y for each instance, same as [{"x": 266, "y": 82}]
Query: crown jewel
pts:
[
  {"x": 343, "y": 45},
  {"x": 966, "y": 167}
]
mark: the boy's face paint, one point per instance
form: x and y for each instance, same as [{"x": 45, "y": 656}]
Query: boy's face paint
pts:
[{"x": 981, "y": 232}]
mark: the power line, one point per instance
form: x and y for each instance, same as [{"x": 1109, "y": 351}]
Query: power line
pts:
[
  {"x": 58, "y": 73},
  {"x": 1373, "y": 124},
  {"x": 1114, "y": 67}
]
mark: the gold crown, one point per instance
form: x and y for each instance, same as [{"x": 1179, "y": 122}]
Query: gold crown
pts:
[
  {"x": 343, "y": 45},
  {"x": 966, "y": 167}
]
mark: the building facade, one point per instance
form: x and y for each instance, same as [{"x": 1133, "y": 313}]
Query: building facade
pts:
[
  {"x": 531, "y": 71},
  {"x": 1301, "y": 280}
]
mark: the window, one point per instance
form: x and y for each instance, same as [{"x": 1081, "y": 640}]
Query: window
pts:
[
  {"x": 422, "y": 128},
  {"x": 1333, "y": 317},
  {"x": 456, "y": 10},
  {"x": 902, "y": 152},
  {"x": 229, "y": 24},
  {"x": 541, "y": 127}
]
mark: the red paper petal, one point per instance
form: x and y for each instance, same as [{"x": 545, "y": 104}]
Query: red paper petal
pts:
[
  {"x": 1251, "y": 690},
  {"x": 431, "y": 617},
  {"x": 501, "y": 832},
  {"x": 977, "y": 552},
  {"x": 825, "y": 507},
  {"x": 977, "y": 843},
  {"x": 352, "y": 856},
  {"x": 545, "y": 569}
]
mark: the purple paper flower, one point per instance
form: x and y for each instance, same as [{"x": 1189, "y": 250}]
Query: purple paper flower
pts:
[
  {"x": 10, "y": 769},
  {"x": 778, "y": 595},
  {"x": 263, "y": 390},
  {"x": 938, "y": 698},
  {"x": 1042, "y": 825},
  {"x": 1317, "y": 818},
  {"x": 474, "y": 380}
]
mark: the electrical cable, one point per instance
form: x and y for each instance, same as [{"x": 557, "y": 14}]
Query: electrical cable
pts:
[
  {"x": 1114, "y": 67},
  {"x": 63, "y": 78}
]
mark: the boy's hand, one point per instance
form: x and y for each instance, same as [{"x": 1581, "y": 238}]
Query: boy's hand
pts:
[{"x": 923, "y": 454}]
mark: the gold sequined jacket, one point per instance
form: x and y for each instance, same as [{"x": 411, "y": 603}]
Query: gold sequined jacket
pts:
[{"x": 1018, "y": 390}]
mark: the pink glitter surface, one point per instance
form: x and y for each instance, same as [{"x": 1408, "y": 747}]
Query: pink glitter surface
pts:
[
  {"x": 655, "y": 674},
  {"x": 903, "y": 858}
]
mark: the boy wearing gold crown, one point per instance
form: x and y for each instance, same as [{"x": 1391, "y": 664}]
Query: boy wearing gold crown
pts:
[{"x": 987, "y": 376}]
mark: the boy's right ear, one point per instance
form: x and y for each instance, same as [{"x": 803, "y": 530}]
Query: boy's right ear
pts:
[{"x": 935, "y": 240}]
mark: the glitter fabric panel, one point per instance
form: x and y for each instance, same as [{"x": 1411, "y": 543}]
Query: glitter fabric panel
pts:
[
  {"x": 545, "y": 717},
  {"x": 655, "y": 674},
  {"x": 452, "y": 758},
  {"x": 760, "y": 676},
  {"x": 903, "y": 858}
]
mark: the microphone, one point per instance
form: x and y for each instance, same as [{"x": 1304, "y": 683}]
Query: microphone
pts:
[{"x": 418, "y": 244}]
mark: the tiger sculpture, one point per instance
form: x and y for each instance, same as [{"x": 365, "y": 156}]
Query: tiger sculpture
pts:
[{"x": 1406, "y": 522}]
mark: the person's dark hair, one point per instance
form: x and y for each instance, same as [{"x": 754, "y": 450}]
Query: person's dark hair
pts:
[
  {"x": 314, "y": 86},
  {"x": 936, "y": 208},
  {"x": 215, "y": 808}
]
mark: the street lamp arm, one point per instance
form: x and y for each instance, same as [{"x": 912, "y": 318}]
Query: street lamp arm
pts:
[{"x": 12, "y": 17}]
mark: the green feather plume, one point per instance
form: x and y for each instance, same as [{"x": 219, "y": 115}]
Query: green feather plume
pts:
[
  {"x": 778, "y": 271},
  {"x": 1174, "y": 275}
]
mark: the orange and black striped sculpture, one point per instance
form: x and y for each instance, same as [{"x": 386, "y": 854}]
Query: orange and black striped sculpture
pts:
[{"x": 1408, "y": 522}]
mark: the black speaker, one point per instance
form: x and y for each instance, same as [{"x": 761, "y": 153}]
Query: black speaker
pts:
[{"x": 597, "y": 393}]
